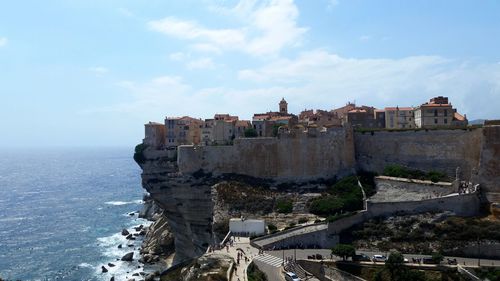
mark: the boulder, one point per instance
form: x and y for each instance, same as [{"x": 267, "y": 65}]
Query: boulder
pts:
[
  {"x": 129, "y": 236},
  {"x": 104, "y": 269},
  {"x": 111, "y": 264},
  {"x": 150, "y": 277},
  {"x": 112, "y": 279},
  {"x": 120, "y": 246},
  {"x": 125, "y": 232},
  {"x": 128, "y": 257}
]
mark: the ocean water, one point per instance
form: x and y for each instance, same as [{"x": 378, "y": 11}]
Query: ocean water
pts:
[{"x": 62, "y": 211}]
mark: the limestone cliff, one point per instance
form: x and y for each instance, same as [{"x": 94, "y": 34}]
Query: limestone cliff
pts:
[{"x": 185, "y": 200}]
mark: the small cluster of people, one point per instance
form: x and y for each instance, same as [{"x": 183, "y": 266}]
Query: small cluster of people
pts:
[{"x": 467, "y": 187}]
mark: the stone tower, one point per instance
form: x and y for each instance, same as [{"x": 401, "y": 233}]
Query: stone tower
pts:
[{"x": 283, "y": 106}]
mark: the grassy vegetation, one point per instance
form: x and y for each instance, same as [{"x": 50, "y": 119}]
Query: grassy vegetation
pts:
[
  {"x": 488, "y": 273},
  {"x": 404, "y": 274},
  {"x": 254, "y": 273},
  {"x": 343, "y": 196},
  {"x": 403, "y": 172},
  {"x": 284, "y": 206},
  {"x": 418, "y": 235}
]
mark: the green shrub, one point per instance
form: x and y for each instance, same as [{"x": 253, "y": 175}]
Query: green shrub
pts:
[
  {"x": 344, "y": 251},
  {"x": 302, "y": 220},
  {"x": 403, "y": 172},
  {"x": 139, "y": 153},
  {"x": 250, "y": 133},
  {"x": 284, "y": 206},
  {"x": 255, "y": 274},
  {"x": 272, "y": 228}
]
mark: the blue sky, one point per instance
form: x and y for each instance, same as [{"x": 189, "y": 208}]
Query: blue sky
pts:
[{"x": 92, "y": 72}]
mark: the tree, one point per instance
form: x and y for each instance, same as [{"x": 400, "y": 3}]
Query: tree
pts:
[
  {"x": 344, "y": 251},
  {"x": 395, "y": 265},
  {"x": 437, "y": 257},
  {"x": 250, "y": 133}
]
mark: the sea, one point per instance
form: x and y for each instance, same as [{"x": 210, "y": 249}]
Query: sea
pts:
[{"x": 62, "y": 211}]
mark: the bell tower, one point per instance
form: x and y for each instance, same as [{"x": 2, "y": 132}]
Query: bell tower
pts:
[{"x": 283, "y": 106}]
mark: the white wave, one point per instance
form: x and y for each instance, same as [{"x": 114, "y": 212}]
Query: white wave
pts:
[
  {"x": 85, "y": 265},
  {"x": 12, "y": 219},
  {"x": 109, "y": 245},
  {"x": 120, "y": 203}
]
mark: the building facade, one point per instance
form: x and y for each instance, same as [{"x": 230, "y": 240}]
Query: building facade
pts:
[
  {"x": 438, "y": 112},
  {"x": 399, "y": 118}
]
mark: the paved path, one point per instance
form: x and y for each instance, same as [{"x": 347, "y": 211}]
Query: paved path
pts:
[
  {"x": 270, "y": 259},
  {"x": 269, "y": 264}
]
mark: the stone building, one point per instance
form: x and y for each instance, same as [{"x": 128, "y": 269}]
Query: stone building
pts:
[
  {"x": 265, "y": 123},
  {"x": 183, "y": 130},
  {"x": 155, "y": 135},
  {"x": 399, "y": 118},
  {"x": 223, "y": 129},
  {"x": 366, "y": 117},
  {"x": 321, "y": 118},
  {"x": 438, "y": 112}
]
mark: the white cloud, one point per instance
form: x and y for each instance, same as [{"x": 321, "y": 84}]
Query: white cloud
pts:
[
  {"x": 268, "y": 27},
  {"x": 364, "y": 38},
  {"x": 332, "y": 3},
  {"x": 206, "y": 48},
  {"x": 193, "y": 31},
  {"x": 203, "y": 63},
  {"x": 126, "y": 12},
  {"x": 3, "y": 41},
  {"x": 178, "y": 56},
  {"x": 323, "y": 78},
  {"x": 99, "y": 70}
]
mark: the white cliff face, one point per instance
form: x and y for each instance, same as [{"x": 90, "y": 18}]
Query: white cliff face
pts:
[{"x": 185, "y": 200}]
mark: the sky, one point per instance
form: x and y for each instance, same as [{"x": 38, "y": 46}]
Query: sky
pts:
[{"x": 92, "y": 72}]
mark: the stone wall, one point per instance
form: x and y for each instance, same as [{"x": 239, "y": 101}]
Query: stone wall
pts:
[
  {"x": 297, "y": 158},
  {"x": 461, "y": 205},
  {"x": 397, "y": 189},
  {"x": 441, "y": 150},
  {"x": 489, "y": 170}
]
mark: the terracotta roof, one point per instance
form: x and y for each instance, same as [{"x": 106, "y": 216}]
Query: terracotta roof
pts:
[
  {"x": 242, "y": 123},
  {"x": 281, "y": 118},
  {"x": 399, "y": 108},
  {"x": 357, "y": 111},
  {"x": 435, "y": 105},
  {"x": 458, "y": 116}
]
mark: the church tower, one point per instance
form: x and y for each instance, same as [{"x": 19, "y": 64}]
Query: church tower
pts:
[{"x": 283, "y": 106}]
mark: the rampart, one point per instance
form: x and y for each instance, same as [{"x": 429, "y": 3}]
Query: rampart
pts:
[
  {"x": 298, "y": 158},
  {"x": 441, "y": 150}
]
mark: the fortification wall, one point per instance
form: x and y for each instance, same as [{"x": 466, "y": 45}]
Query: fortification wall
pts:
[
  {"x": 442, "y": 150},
  {"x": 298, "y": 158},
  {"x": 489, "y": 169}
]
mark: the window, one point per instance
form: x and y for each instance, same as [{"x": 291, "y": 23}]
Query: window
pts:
[
  {"x": 435, "y": 112},
  {"x": 446, "y": 121},
  {"x": 435, "y": 121},
  {"x": 445, "y": 113}
]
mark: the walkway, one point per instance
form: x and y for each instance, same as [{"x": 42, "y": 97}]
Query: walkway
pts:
[{"x": 267, "y": 263}]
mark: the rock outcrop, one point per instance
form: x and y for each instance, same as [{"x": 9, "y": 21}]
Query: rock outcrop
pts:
[
  {"x": 184, "y": 199},
  {"x": 158, "y": 242}
]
